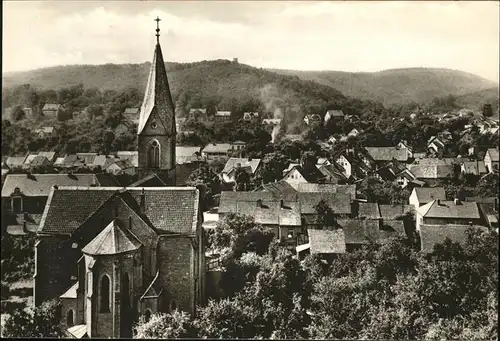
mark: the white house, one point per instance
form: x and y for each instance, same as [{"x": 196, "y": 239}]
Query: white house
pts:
[
  {"x": 229, "y": 171},
  {"x": 346, "y": 165},
  {"x": 491, "y": 159},
  {"x": 422, "y": 195}
]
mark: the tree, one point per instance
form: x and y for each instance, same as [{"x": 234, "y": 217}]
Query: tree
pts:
[
  {"x": 487, "y": 110},
  {"x": 325, "y": 217},
  {"x": 175, "y": 325},
  {"x": 242, "y": 179},
  {"x": 41, "y": 322},
  {"x": 207, "y": 181},
  {"x": 18, "y": 113}
]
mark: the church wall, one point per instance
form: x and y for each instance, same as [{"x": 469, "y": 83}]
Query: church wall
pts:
[
  {"x": 176, "y": 265},
  {"x": 67, "y": 305},
  {"x": 167, "y": 151}
]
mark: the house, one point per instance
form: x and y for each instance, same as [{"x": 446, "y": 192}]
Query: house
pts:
[
  {"x": 120, "y": 167},
  {"x": 312, "y": 119},
  {"x": 51, "y": 156},
  {"x": 353, "y": 132},
  {"x": 300, "y": 174},
  {"x": 407, "y": 147},
  {"x": 423, "y": 195},
  {"x": 491, "y": 160},
  {"x": 114, "y": 252},
  {"x": 334, "y": 116},
  {"x": 132, "y": 115},
  {"x": 333, "y": 173},
  {"x": 29, "y": 192},
  {"x": 345, "y": 162},
  {"x": 384, "y": 154},
  {"x": 368, "y": 210},
  {"x": 443, "y": 212},
  {"x": 331, "y": 140},
  {"x": 28, "y": 160},
  {"x": 430, "y": 235},
  {"x": 234, "y": 163},
  {"x": 473, "y": 167},
  {"x": 222, "y": 116},
  {"x": 250, "y": 116},
  {"x": 132, "y": 156},
  {"x": 14, "y": 162},
  {"x": 431, "y": 174},
  {"x": 51, "y": 110},
  {"x": 46, "y": 132},
  {"x": 40, "y": 161},
  {"x": 185, "y": 154},
  {"x": 437, "y": 144},
  {"x": 222, "y": 150}
]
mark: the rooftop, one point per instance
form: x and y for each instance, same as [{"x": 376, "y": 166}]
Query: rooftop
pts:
[{"x": 448, "y": 209}]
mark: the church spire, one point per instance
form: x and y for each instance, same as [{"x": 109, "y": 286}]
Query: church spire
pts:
[{"x": 156, "y": 129}]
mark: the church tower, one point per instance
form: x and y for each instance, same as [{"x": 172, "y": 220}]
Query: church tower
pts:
[{"x": 156, "y": 131}]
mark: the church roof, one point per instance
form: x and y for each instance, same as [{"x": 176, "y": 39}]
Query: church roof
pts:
[
  {"x": 157, "y": 96},
  {"x": 169, "y": 209},
  {"x": 112, "y": 241}
]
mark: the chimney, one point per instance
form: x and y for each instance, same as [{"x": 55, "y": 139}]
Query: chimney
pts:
[
  {"x": 282, "y": 204},
  {"x": 456, "y": 201},
  {"x": 143, "y": 201},
  {"x": 439, "y": 202},
  {"x": 259, "y": 203},
  {"x": 55, "y": 187},
  {"x": 25, "y": 229}
]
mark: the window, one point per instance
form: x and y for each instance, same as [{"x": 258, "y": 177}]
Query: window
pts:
[
  {"x": 173, "y": 305},
  {"x": 70, "y": 318},
  {"x": 105, "y": 294},
  {"x": 147, "y": 315},
  {"x": 17, "y": 204},
  {"x": 154, "y": 154},
  {"x": 153, "y": 125}
]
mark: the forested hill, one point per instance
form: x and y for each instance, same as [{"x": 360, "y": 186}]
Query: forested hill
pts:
[{"x": 398, "y": 86}]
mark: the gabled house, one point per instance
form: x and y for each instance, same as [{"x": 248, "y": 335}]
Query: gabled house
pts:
[
  {"x": 431, "y": 174},
  {"x": 312, "y": 119},
  {"x": 233, "y": 164},
  {"x": 437, "y": 144},
  {"x": 333, "y": 173},
  {"x": 39, "y": 161},
  {"x": 491, "y": 160},
  {"x": 300, "y": 174},
  {"x": 334, "y": 116},
  {"x": 120, "y": 167},
  {"x": 214, "y": 151},
  {"x": 51, "y": 110},
  {"x": 346, "y": 164},
  {"x": 443, "y": 212},
  {"x": 385, "y": 154},
  {"x": 132, "y": 156},
  {"x": 473, "y": 167},
  {"x": 15, "y": 162},
  {"x": 404, "y": 145},
  {"x": 46, "y": 132},
  {"x": 424, "y": 195},
  {"x": 187, "y": 154}
]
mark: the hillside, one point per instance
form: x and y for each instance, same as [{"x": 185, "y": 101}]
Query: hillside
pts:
[
  {"x": 475, "y": 100},
  {"x": 398, "y": 86}
]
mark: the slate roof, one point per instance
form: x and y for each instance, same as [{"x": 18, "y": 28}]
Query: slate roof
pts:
[
  {"x": 387, "y": 153},
  {"x": 222, "y": 148},
  {"x": 41, "y": 184},
  {"x": 391, "y": 212},
  {"x": 368, "y": 210},
  {"x": 448, "y": 209},
  {"x": 112, "y": 240},
  {"x": 169, "y": 209},
  {"x": 430, "y": 235},
  {"x": 493, "y": 154},
  {"x": 427, "y": 194},
  {"x": 233, "y": 162},
  {"x": 326, "y": 241}
]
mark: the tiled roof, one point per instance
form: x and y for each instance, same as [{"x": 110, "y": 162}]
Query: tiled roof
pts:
[
  {"x": 310, "y": 175},
  {"x": 430, "y": 235},
  {"x": 41, "y": 184},
  {"x": 387, "y": 153},
  {"x": 431, "y": 161},
  {"x": 271, "y": 212},
  {"x": 49, "y": 106},
  {"x": 493, "y": 154},
  {"x": 233, "y": 162},
  {"x": 360, "y": 231},
  {"x": 340, "y": 203},
  {"x": 170, "y": 209},
  {"x": 278, "y": 188},
  {"x": 427, "y": 194},
  {"x": 326, "y": 241},
  {"x": 330, "y": 188},
  {"x": 228, "y": 199},
  {"x": 368, "y": 210},
  {"x": 217, "y": 148},
  {"x": 39, "y": 161},
  {"x": 448, "y": 209},
  {"x": 332, "y": 171},
  {"x": 391, "y": 212},
  {"x": 112, "y": 240}
]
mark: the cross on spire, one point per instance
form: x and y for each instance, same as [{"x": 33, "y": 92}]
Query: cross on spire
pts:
[{"x": 157, "y": 29}]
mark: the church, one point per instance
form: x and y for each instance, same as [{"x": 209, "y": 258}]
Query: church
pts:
[{"x": 113, "y": 254}]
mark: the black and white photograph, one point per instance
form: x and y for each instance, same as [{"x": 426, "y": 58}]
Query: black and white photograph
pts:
[{"x": 250, "y": 169}]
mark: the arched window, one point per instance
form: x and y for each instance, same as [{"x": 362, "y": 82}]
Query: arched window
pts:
[
  {"x": 154, "y": 154},
  {"x": 173, "y": 305},
  {"x": 69, "y": 318},
  {"x": 105, "y": 294},
  {"x": 147, "y": 315}
]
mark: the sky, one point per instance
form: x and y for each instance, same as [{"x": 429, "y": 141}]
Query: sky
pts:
[{"x": 327, "y": 35}]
